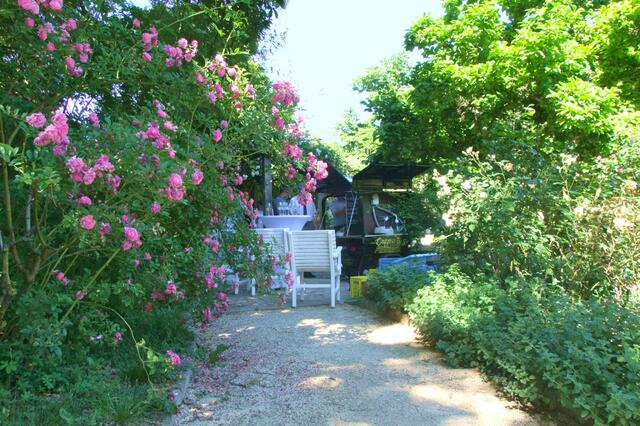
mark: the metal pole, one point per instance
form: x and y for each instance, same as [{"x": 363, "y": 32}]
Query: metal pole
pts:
[{"x": 267, "y": 184}]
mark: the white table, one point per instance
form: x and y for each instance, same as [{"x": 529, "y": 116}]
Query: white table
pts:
[{"x": 293, "y": 222}]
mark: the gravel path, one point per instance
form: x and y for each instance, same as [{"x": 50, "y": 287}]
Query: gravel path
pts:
[{"x": 343, "y": 366}]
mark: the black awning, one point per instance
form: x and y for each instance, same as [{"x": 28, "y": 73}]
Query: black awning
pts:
[
  {"x": 390, "y": 172},
  {"x": 335, "y": 183}
]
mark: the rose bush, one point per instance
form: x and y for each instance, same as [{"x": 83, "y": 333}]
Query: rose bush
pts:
[{"x": 129, "y": 141}]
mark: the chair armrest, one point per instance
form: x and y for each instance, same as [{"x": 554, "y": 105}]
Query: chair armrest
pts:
[{"x": 338, "y": 253}]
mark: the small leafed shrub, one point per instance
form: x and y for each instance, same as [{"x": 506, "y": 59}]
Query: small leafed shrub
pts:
[
  {"x": 395, "y": 288},
  {"x": 538, "y": 344}
]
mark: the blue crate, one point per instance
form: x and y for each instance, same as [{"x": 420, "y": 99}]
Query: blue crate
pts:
[{"x": 419, "y": 262}]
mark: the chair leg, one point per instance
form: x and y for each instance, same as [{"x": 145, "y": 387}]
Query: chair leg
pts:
[
  {"x": 302, "y": 289},
  {"x": 333, "y": 292},
  {"x": 252, "y": 283},
  {"x": 236, "y": 284},
  {"x": 294, "y": 294},
  {"x": 338, "y": 289}
]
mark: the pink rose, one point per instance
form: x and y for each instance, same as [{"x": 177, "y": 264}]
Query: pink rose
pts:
[
  {"x": 136, "y": 22},
  {"x": 131, "y": 234},
  {"x": 71, "y": 24},
  {"x": 170, "y": 288},
  {"x": 55, "y": 4},
  {"x": 146, "y": 56},
  {"x": 217, "y": 135},
  {"x": 93, "y": 118},
  {"x": 170, "y": 126},
  {"x": 88, "y": 177},
  {"x": 174, "y": 358},
  {"x": 29, "y": 6},
  {"x": 197, "y": 176},
  {"x": 84, "y": 201},
  {"x": 175, "y": 180},
  {"x": 102, "y": 164},
  {"x": 29, "y": 22},
  {"x": 105, "y": 229},
  {"x": 87, "y": 222},
  {"x": 224, "y": 124},
  {"x": 36, "y": 120},
  {"x": 155, "y": 207}
]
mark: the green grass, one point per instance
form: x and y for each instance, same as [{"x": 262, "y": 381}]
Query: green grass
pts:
[{"x": 97, "y": 398}]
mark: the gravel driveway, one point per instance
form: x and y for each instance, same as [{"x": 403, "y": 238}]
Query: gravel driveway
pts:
[{"x": 343, "y": 366}]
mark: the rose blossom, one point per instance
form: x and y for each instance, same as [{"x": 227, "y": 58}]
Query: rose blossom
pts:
[
  {"x": 37, "y": 120},
  {"x": 170, "y": 288},
  {"x": 132, "y": 238},
  {"x": 29, "y": 6},
  {"x": 105, "y": 228},
  {"x": 131, "y": 234},
  {"x": 84, "y": 201},
  {"x": 87, "y": 222},
  {"x": 197, "y": 177},
  {"x": 175, "y": 180},
  {"x": 174, "y": 357},
  {"x": 55, "y": 4},
  {"x": 94, "y": 120}
]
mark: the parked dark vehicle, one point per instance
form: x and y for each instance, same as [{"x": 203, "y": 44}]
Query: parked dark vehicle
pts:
[{"x": 361, "y": 212}]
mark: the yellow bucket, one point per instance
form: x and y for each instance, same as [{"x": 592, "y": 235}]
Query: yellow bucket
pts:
[{"x": 355, "y": 285}]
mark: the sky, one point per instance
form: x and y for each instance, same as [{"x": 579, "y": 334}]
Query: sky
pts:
[{"x": 329, "y": 43}]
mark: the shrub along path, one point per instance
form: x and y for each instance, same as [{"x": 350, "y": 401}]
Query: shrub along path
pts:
[{"x": 322, "y": 366}]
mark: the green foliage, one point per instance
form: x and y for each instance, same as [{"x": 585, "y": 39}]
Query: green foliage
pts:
[
  {"x": 534, "y": 131},
  {"x": 421, "y": 207},
  {"x": 214, "y": 355},
  {"x": 395, "y": 288},
  {"x": 358, "y": 141},
  {"x": 537, "y": 343},
  {"x": 564, "y": 221},
  {"x": 93, "y": 400},
  {"x": 569, "y": 63},
  {"x": 398, "y": 133},
  {"x": 530, "y": 112},
  {"x": 81, "y": 313}
]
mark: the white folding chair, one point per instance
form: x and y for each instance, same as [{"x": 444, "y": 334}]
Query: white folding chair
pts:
[
  {"x": 279, "y": 243},
  {"x": 315, "y": 251}
]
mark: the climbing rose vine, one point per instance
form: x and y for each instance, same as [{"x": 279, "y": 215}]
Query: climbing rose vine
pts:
[{"x": 127, "y": 156}]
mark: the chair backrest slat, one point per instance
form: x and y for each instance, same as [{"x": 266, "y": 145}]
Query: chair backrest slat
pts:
[
  {"x": 276, "y": 238},
  {"x": 312, "y": 250}
]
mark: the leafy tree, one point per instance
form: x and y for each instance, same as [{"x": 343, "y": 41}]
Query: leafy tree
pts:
[
  {"x": 532, "y": 85},
  {"x": 564, "y": 70},
  {"x": 358, "y": 140}
]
